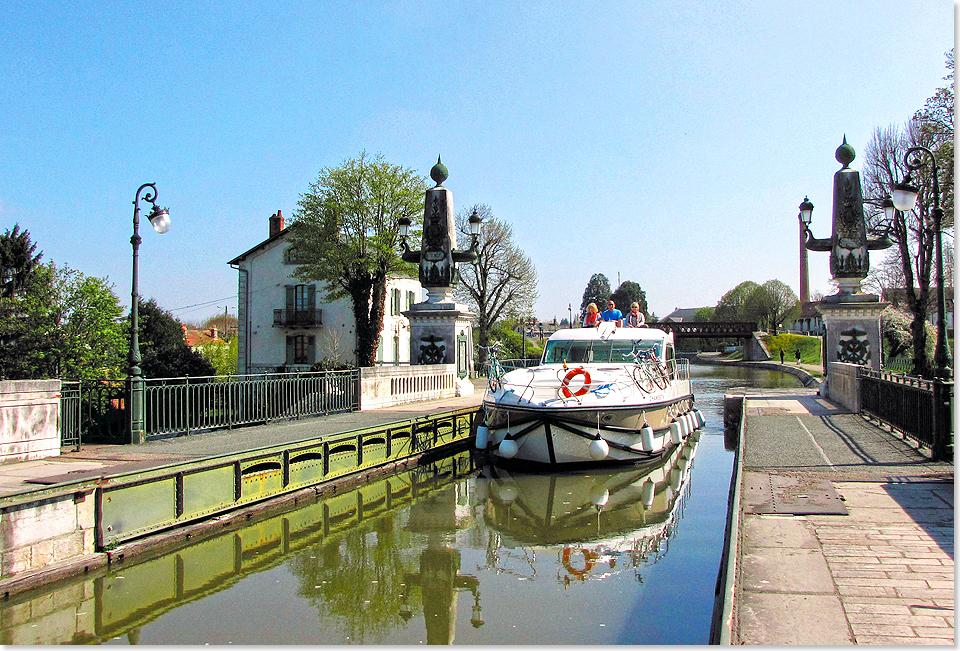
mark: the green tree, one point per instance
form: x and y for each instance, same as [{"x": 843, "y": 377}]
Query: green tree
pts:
[
  {"x": 731, "y": 306},
  {"x": 597, "y": 291},
  {"x": 61, "y": 323},
  {"x": 17, "y": 260},
  {"x": 222, "y": 355},
  {"x": 163, "y": 348},
  {"x": 770, "y": 305},
  {"x": 628, "y": 293},
  {"x": 502, "y": 281},
  {"x": 346, "y": 230}
]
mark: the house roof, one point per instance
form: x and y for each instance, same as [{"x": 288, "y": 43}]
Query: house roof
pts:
[
  {"x": 264, "y": 244},
  {"x": 682, "y": 314}
]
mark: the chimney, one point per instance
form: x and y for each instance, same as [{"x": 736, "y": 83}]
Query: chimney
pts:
[
  {"x": 213, "y": 332},
  {"x": 276, "y": 223}
]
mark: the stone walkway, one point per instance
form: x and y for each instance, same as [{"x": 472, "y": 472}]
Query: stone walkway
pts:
[{"x": 845, "y": 531}]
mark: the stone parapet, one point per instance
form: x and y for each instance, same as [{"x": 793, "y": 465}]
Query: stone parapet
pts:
[
  {"x": 387, "y": 386},
  {"x": 29, "y": 420}
]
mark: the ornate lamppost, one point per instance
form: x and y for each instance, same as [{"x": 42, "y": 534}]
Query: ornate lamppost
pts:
[
  {"x": 160, "y": 220},
  {"x": 905, "y": 199},
  {"x": 440, "y": 329},
  {"x": 806, "y": 214}
]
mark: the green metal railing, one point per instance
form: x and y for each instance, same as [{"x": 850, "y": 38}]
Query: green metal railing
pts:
[{"x": 174, "y": 406}]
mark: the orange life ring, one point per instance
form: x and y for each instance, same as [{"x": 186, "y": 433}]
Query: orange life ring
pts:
[
  {"x": 565, "y": 385},
  {"x": 588, "y": 558}
]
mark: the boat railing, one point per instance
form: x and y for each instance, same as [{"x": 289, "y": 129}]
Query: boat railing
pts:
[
  {"x": 513, "y": 364},
  {"x": 679, "y": 368}
]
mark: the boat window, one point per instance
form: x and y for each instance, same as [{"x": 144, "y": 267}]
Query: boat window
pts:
[{"x": 601, "y": 352}]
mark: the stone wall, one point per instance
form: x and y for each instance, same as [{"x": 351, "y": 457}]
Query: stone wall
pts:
[
  {"x": 45, "y": 532},
  {"x": 843, "y": 385},
  {"x": 29, "y": 420}
]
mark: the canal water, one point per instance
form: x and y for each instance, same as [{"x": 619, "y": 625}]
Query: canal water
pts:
[{"x": 456, "y": 552}]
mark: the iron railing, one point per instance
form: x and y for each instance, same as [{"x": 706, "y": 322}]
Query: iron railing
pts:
[
  {"x": 70, "y": 414},
  {"x": 920, "y": 409},
  {"x": 175, "y": 406}
]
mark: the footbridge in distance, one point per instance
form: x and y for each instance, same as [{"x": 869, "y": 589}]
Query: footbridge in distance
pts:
[{"x": 743, "y": 331}]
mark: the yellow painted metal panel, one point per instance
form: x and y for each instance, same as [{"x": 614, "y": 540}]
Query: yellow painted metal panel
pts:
[
  {"x": 207, "y": 491},
  {"x": 207, "y": 564},
  {"x": 130, "y": 509}
]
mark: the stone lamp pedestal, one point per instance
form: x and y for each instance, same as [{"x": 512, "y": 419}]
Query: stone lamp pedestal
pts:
[
  {"x": 441, "y": 333},
  {"x": 853, "y": 330}
]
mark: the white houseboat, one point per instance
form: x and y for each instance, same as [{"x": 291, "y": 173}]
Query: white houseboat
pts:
[{"x": 599, "y": 396}]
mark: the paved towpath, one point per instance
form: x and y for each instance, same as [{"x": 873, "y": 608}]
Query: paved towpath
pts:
[{"x": 845, "y": 532}]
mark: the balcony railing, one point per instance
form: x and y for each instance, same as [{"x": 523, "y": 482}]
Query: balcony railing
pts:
[{"x": 297, "y": 318}]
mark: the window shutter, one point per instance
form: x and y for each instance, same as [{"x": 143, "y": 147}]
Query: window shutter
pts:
[
  {"x": 312, "y": 299},
  {"x": 291, "y": 298},
  {"x": 291, "y": 350},
  {"x": 311, "y": 349}
]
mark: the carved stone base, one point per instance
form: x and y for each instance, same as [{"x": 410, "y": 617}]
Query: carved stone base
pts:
[
  {"x": 853, "y": 331},
  {"x": 441, "y": 333}
]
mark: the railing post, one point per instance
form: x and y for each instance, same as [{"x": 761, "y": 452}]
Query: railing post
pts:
[{"x": 939, "y": 424}]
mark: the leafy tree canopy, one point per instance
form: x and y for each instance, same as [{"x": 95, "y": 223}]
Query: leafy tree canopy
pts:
[
  {"x": 17, "y": 260},
  {"x": 628, "y": 293},
  {"x": 731, "y": 305},
  {"x": 345, "y": 232}
]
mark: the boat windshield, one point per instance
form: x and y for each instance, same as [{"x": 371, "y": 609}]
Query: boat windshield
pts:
[{"x": 596, "y": 352}]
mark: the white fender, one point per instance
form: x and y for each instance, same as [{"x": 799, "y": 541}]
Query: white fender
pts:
[
  {"x": 701, "y": 421},
  {"x": 676, "y": 435},
  {"x": 599, "y": 449},
  {"x": 508, "y": 448},
  {"x": 646, "y": 438},
  {"x": 483, "y": 434}
]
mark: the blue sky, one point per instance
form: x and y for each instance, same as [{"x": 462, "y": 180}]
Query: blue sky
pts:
[{"x": 664, "y": 142}]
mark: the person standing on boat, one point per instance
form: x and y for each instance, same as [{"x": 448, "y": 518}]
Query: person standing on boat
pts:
[
  {"x": 635, "y": 318},
  {"x": 592, "y": 317},
  {"x": 612, "y": 314}
]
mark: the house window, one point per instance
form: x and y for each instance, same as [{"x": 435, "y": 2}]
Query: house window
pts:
[
  {"x": 301, "y": 349},
  {"x": 395, "y": 307},
  {"x": 290, "y": 256}
]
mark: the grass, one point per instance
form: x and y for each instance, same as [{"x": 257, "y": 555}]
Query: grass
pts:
[{"x": 789, "y": 343}]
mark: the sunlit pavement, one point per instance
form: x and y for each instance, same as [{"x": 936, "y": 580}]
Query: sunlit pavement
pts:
[{"x": 846, "y": 531}]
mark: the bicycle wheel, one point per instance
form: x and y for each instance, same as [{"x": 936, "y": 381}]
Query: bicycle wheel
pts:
[
  {"x": 660, "y": 377},
  {"x": 643, "y": 379}
]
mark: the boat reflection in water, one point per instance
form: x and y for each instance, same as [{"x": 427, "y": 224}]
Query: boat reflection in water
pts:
[{"x": 603, "y": 521}]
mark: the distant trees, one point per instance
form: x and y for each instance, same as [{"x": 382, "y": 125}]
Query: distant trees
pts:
[
  {"x": 628, "y": 293},
  {"x": 162, "y": 345},
  {"x": 345, "y": 232},
  {"x": 502, "y": 282},
  {"x": 770, "y": 305}
]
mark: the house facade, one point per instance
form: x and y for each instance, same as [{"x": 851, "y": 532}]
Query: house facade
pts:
[{"x": 286, "y": 325}]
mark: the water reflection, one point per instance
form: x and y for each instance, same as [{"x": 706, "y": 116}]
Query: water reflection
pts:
[{"x": 603, "y": 521}]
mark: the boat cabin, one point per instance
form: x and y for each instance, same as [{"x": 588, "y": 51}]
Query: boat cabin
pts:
[{"x": 590, "y": 346}]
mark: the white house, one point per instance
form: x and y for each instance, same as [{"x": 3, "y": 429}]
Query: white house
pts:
[{"x": 284, "y": 323}]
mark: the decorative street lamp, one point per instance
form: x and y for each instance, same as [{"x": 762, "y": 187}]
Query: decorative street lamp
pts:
[
  {"x": 805, "y": 216},
  {"x": 160, "y": 220},
  {"x": 905, "y": 199}
]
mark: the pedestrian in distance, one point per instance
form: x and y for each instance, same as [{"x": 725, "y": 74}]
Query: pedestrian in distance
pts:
[
  {"x": 781, "y": 355},
  {"x": 634, "y": 318},
  {"x": 612, "y": 313},
  {"x": 798, "y": 357}
]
